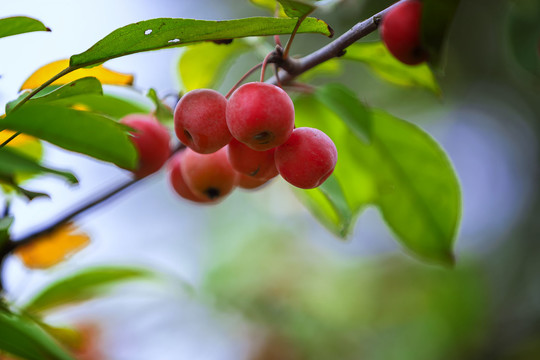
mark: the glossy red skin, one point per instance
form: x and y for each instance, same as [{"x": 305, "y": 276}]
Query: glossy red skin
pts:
[
  {"x": 199, "y": 121},
  {"x": 152, "y": 141},
  {"x": 176, "y": 179},
  {"x": 249, "y": 182},
  {"x": 400, "y": 32},
  {"x": 208, "y": 176},
  {"x": 257, "y": 164},
  {"x": 260, "y": 115},
  {"x": 307, "y": 159}
]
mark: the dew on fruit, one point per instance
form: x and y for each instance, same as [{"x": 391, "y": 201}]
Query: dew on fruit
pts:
[
  {"x": 173, "y": 41},
  {"x": 264, "y": 137},
  {"x": 148, "y": 32}
]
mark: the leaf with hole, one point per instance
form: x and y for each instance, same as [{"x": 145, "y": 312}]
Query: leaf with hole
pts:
[
  {"x": 19, "y": 25},
  {"x": 165, "y": 33}
]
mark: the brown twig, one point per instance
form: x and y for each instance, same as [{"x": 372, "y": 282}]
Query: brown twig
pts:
[
  {"x": 10, "y": 245},
  {"x": 291, "y": 68}
]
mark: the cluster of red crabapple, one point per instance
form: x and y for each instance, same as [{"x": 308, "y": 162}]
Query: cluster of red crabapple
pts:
[
  {"x": 244, "y": 141},
  {"x": 251, "y": 138}
]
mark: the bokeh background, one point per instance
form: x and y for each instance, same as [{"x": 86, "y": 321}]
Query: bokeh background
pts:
[{"x": 256, "y": 277}]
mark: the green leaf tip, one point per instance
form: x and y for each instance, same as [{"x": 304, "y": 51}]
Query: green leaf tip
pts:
[{"x": 19, "y": 25}]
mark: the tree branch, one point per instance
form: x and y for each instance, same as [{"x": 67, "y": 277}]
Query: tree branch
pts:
[
  {"x": 292, "y": 68},
  {"x": 12, "y": 244}
]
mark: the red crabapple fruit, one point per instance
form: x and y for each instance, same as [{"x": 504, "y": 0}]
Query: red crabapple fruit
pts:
[
  {"x": 257, "y": 164},
  {"x": 250, "y": 182},
  {"x": 199, "y": 121},
  {"x": 260, "y": 115},
  {"x": 176, "y": 179},
  {"x": 151, "y": 139},
  {"x": 209, "y": 176},
  {"x": 307, "y": 159},
  {"x": 400, "y": 32}
]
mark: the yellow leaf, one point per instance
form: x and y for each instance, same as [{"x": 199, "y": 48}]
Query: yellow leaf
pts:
[
  {"x": 103, "y": 74},
  {"x": 20, "y": 140},
  {"x": 51, "y": 249}
]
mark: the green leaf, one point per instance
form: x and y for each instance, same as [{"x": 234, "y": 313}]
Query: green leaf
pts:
[
  {"x": 269, "y": 5},
  {"x": 346, "y": 105},
  {"x": 162, "y": 112},
  {"x": 107, "y": 105},
  {"x": 296, "y": 9},
  {"x": 28, "y": 194},
  {"x": 5, "y": 225},
  {"x": 354, "y": 180},
  {"x": 79, "y": 131},
  {"x": 202, "y": 66},
  {"x": 83, "y": 86},
  {"x": 87, "y": 85},
  {"x": 437, "y": 16},
  {"x": 419, "y": 194},
  {"x": 403, "y": 171},
  {"x": 81, "y": 286},
  {"x": 21, "y": 337},
  {"x": 387, "y": 67},
  {"x": 329, "y": 205},
  {"x": 19, "y": 25},
  {"x": 165, "y": 33},
  {"x": 14, "y": 163}
]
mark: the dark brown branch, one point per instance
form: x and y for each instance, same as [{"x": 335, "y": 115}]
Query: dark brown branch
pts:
[{"x": 295, "y": 67}]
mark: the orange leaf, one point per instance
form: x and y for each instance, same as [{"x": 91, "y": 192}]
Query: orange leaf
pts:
[
  {"x": 103, "y": 74},
  {"x": 51, "y": 249}
]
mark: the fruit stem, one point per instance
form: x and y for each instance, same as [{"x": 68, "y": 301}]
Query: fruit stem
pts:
[
  {"x": 294, "y": 67},
  {"x": 276, "y": 74},
  {"x": 264, "y": 63},
  {"x": 249, "y": 72},
  {"x": 293, "y": 34}
]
